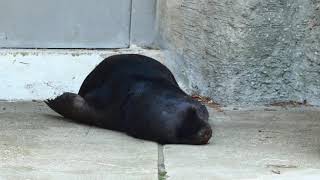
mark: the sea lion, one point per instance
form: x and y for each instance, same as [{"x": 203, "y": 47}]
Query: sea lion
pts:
[{"x": 137, "y": 95}]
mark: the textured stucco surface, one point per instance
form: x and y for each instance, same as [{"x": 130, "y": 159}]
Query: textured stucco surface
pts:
[{"x": 244, "y": 51}]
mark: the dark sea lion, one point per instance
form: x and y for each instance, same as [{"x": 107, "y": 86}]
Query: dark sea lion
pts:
[{"x": 137, "y": 95}]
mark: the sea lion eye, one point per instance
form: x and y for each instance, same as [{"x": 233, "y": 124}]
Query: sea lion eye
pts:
[
  {"x": 202, "y": 113},
  {"x": 164, "y": 113},
  {"x": 189, "y": 125}
]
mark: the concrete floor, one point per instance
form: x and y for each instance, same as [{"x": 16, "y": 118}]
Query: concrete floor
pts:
[
  {"x": 37, "y": 144},
  {"x": 265, "y": 143},
  {"x": 253, "y": 143}
]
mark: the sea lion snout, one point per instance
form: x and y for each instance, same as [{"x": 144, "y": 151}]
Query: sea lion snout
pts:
[{"x": 204, "y": 135}]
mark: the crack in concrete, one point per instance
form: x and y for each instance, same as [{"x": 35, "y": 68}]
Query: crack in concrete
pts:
[{"x": 162, "y": 173}]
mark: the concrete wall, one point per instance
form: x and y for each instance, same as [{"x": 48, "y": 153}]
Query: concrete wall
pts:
[
  {"x": 38, "y": 74},
  {"x": 65, "y": 24},
  {"x": 41, "y": 74},
  {"x": 77, "y": 24},
  {"x": 143, "y": 23},
  {"x": 244, "y": 51}
]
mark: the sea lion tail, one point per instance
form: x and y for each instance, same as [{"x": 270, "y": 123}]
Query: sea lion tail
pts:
[{"x": 72, "y": 106}]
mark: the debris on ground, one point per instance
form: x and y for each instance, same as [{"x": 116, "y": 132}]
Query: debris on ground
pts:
[
  {"x": 276, "y": 167},
  {"x": 290, "y": 104},
  {"x": 207, "y": 101},
  {"x": 268, "y": 109},
  {"x": 276, "y": 171},
  {"x": 285, "y": 166}
]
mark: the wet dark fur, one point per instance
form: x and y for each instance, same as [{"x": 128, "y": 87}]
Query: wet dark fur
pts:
[{"x": 137, "y": 95}]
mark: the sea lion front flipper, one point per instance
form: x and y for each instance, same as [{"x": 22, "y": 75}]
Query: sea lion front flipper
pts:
[{"x": 73, "y": 106}]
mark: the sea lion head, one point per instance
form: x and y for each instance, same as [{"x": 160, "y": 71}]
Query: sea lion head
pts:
[
  {"x": 167, "y": 115},
  {"x": 185, "y": 121},
  {"x": 193, "y": 126}
]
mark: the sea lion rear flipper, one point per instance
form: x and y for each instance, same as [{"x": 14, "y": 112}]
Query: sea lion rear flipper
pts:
[{"x": 72, "y": 106}]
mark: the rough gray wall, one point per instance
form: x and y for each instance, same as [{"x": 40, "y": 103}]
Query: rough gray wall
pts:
[{"x": 244, "y": 51}]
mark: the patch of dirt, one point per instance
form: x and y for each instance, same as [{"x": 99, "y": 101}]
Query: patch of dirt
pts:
[{"x": 207, "y": 101}]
